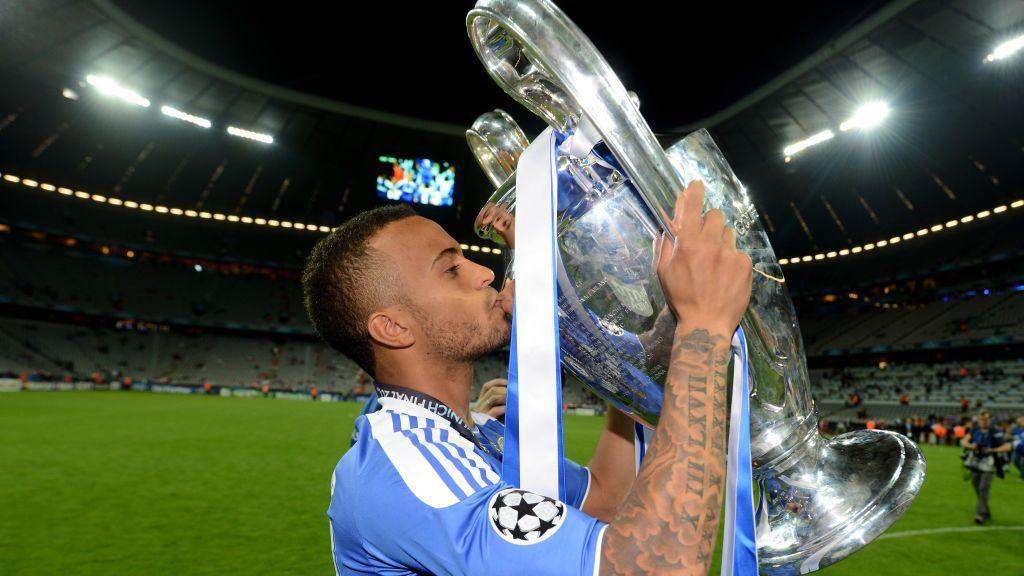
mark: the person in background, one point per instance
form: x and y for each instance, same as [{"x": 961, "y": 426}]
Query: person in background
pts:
[
  {"x": 984, "y": 444},
  {"x": 1017, "y": 456},
  {"x": 960, "y": 430},
  {"x": 940, "y": 433}
]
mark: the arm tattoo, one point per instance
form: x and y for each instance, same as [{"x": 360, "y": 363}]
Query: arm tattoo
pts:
[{"x": 669, "y": 521}]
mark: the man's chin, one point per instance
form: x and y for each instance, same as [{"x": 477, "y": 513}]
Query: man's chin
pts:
[{"x": 503, "y": 337}]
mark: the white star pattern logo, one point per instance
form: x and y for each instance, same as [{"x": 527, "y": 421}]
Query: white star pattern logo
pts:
[{"x": 524, "y": 518}]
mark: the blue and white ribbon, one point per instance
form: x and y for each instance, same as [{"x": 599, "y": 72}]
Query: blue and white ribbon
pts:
[
  {"x": 533, "y": 453},
  {"x": 641, "y": 440},
  {"x": 739, "y": 543}
]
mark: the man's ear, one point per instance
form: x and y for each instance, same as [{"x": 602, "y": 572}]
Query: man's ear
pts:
[{"x": 391, "y": 328}]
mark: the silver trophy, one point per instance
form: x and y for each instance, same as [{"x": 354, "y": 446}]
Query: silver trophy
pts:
[{"x": 826, "y": 498}]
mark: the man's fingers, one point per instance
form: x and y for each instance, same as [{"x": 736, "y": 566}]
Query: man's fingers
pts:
[
  {"x": 714, "y": 224},
  {"x": 496, "y": 412},
  {"x": 492, "y": 394},
  {"x": 677, "y": 214},
  {"x": 729, "y": 239},
  {"x": 693, "y": 205},
  {"x": 663, "y": 254},
  {"x": 656, "y": 258},
  {"x": 495, "y": 382},
  {"x": 499, "y": 396}
]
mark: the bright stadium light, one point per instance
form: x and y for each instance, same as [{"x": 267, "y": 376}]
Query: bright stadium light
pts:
[
  {"x": 935, "y": 228},
  {"x": 818, "y": 138},
  {"x": 190, "y": 118},
  {"x": 867, "y": 116},
  {"x": 110, "y": 87},
  {"x": 69, "y": 94},
  {"x": 214, "y": 216},
  {"x": 1006, "y": 49},
  {"x": 257, "y": 136}
]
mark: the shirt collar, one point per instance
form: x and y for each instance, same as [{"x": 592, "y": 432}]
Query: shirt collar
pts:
[{"x": 398, "y": 405}]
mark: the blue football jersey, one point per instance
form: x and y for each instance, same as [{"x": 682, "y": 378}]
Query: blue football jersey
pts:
[{"x": 413, "y": 496}]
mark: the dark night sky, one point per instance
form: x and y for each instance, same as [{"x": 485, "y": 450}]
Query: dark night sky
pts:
[{"x": 414, "y": 58}]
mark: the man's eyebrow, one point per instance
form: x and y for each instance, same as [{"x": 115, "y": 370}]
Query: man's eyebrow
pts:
[{"x": 453, "y": 251}]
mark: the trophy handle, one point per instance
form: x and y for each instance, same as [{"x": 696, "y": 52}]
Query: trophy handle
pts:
[
  {"x": 516, "y": 41},
  {"x": 497, "y": 142}
]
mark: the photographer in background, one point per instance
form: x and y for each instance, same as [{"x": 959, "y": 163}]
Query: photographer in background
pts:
[
  {"x": 1018, "y": 445},
  {"x": 984, "y": 456}
]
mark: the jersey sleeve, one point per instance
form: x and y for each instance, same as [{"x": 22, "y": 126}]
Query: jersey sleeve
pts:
[
  {"x": 577, "y": 484},
  {"x": 497, "y": 531}
]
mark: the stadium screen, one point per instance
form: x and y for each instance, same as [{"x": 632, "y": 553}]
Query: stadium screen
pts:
[{"x": 419, "y": 180}]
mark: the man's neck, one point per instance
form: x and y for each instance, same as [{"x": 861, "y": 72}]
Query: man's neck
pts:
[{"x": 448, "y": 383}]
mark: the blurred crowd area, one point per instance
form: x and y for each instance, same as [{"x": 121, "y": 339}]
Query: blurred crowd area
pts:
[
  {"x": 76, "y": 312},
  {"x": 46, "y": 351}
]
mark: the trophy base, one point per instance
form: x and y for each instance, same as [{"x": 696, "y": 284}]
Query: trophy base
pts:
[{"x": 838, "y": 498}]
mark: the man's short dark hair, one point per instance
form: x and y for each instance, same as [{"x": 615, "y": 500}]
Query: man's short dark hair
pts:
[{"x": 345, "y": 280}]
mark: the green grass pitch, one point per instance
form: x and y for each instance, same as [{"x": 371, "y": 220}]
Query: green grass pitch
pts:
[{"x": 136, "y": 483}]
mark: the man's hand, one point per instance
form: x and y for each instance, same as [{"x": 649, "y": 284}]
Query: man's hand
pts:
[
  {"x": 492, "y": 398},
  {"x": 706, "y": 281}
]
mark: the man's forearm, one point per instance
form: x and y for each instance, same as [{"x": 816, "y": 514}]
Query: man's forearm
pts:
[
  {"x": 669, "y": 520},
  {"x": 612, "y": 469}
]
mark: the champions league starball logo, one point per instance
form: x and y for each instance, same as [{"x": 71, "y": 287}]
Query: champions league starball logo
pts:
[{"x": 522, "y": 517}]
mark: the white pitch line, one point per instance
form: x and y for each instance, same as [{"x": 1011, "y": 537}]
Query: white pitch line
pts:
[{"x": 925, "y": 532}]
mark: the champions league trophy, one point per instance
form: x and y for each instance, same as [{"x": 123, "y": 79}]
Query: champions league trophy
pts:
[{"x": 823, "y": 499}]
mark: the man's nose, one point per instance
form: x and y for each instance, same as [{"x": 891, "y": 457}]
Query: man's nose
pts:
[{"x": 486, "y": 276}]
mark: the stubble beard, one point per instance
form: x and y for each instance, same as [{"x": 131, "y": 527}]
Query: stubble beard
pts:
[{"x": 464, "y": 341}]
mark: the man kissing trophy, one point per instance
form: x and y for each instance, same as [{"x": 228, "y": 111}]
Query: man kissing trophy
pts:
[{"x": 614, "y": 190}]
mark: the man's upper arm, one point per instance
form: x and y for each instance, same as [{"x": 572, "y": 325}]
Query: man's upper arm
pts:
[{"x": 495, "y": 531}]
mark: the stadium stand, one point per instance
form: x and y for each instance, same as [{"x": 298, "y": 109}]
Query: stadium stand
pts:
[
  {"x": 161, "y": 320},
  {"x": 43, "y": 276},
  {"x": 974, "y": 320},
  {"x": 51, "y": 350}
]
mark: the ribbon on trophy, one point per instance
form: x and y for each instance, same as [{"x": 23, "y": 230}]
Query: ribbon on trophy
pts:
[
  {"x": 534, "y": 457},
  {"x": 533, "y": 454},
  {"x": 739, "y": 541},
  {"x": 642, "y": 436}
]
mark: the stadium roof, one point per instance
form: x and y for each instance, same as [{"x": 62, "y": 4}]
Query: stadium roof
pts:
[{"x": 951, "y": 145}]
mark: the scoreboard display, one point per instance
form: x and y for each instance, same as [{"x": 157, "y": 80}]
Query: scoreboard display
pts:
[{"x": 416, "y": 180}]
